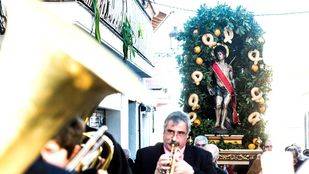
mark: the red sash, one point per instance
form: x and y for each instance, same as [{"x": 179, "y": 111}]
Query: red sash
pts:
[{"x": 228, "y": 86}]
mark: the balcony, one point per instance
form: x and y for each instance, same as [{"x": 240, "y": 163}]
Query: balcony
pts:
[{"x": 112, "y": 14}]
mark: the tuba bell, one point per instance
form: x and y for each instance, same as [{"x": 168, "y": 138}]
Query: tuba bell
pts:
[{"x": 45, "y": 81}]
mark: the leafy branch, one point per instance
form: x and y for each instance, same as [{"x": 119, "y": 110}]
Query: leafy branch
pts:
[
  {"x": 128, "y": 36},
  {"x": 96, "y": 21}
]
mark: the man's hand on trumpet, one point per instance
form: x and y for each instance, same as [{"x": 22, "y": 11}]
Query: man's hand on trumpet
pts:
[
  {"x": 163, "y": 164},
  {"x": 180, "y": 166}
]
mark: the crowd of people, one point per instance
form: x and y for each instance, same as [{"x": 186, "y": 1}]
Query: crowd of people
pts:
[{"x": 173, "y": 155}]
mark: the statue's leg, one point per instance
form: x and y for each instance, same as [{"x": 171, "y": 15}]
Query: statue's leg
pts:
[
  {"x": 226, "y": 102},
  {"x": 218, "y": 110}
]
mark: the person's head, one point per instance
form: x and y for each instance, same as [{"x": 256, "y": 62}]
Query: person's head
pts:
[
  {"x": 268, "y": 146},
  {"x": 200, "y": 141},
  {"x": 295, "y": 150},
  {"x": 220, "y": 52},
  {"x": 65, "y": 144},
  {"x": 214, "y": 150},
  {"x": 177, "y": 126}
]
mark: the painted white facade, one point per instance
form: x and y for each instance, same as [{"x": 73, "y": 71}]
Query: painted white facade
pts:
[{"x": 130, "y": 127}]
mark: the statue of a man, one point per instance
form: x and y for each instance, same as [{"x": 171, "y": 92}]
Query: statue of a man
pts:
[{"x": 224, "y": 87}]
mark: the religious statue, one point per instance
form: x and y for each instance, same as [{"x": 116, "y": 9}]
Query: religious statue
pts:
[{"x": 223, "y": 88}]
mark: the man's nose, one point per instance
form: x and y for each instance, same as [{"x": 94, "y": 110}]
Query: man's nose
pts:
[{"x": 174, "y": 137}]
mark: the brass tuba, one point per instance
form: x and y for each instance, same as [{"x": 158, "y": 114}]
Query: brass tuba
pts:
[{"x": 45, "y": 80}]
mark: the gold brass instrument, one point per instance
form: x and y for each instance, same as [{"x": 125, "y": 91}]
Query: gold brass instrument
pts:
[
  {"x": 45, "y": 75},
  {"x": 109, "y": 158},
  {"x": 88, "y": 156},
  {"x": 45, "y": 80},
  {"x": 172, "y": 158}
]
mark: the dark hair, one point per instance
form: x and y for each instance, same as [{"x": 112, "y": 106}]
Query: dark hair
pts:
[
  {"x": 71, "y": 135},
  {"x": 219, "y": 48}
]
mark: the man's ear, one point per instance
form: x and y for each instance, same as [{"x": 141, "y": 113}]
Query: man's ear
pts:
[
  {"x": 52, "y": 153},
  {"x": 50, "y": 147}
]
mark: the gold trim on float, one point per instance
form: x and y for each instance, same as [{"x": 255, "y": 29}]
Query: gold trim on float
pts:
[
  {"x": 227, "y": 141},
  {"x": 233, "y": 139},
  {"x": 237, "y": 156}
]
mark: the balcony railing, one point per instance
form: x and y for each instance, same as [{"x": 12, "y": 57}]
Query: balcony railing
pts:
[{"x": 113, "y": 12}]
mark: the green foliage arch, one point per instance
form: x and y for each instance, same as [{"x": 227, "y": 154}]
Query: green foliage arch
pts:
[{"x": 248, "y": 36}]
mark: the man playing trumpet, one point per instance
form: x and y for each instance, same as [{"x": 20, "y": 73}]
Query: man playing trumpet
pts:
[{"x": 174, "y": 155}]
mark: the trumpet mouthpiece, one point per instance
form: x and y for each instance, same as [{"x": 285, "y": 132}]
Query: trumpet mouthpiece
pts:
[{"x": 175, "y": 143}]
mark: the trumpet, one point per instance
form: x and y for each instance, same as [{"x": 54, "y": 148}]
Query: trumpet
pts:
[
  {"x": 89, "y": 155},
  {"x": 172, "y": 158},
  {"x": 175, "y": 145}
]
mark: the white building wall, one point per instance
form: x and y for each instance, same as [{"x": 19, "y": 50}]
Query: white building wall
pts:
[
  {"x": 146, "y": 128},
  {"x": 113, "y": 123},
  {"x": 124, "y": 123},
  {"x": 117, "y": 111},
  {"x": 133, "y": 128},
  {"x": 112, "y": 101}
]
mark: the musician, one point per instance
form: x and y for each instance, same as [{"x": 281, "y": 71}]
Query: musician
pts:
[
  {"x": 188, "y": 159},
  {"x": 57, "y": 152}
]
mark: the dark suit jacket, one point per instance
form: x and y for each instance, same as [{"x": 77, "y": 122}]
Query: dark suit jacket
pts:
[
  {"x": 220, "y": 171},
  {"x": 199, "y": 159},
  {"x": 42, "y": 167}
]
